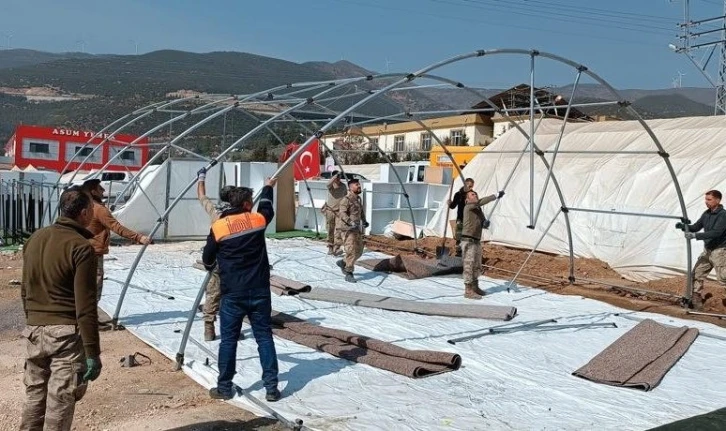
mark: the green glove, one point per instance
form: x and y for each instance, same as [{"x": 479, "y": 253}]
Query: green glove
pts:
[{"x": 93, "y": 369}]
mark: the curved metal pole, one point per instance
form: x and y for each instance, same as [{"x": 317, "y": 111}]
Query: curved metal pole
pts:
[
  {"x": 180, "y": 136},
  {"x": 169, "y": 123},
  {"x": 190, "y": 321},
  {"x": 305, "y": 180},
  {"x": 173, "y": 204},
  {"x": 150, "y": 108}
]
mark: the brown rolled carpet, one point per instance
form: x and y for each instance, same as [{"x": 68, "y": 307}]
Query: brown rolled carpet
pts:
[
  {"x": 285, "y": 286},
  {"x": 641, "y": 357},
  {"x": 413, "y": 267},
  {"x": 364, "y": 350}
]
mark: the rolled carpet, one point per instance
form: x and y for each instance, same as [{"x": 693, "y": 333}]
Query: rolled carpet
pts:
[
  {"x": 364, "y": 350},
  {"x": 285, "y": 286},
  {"x": 413, "y": 267},
  {"x": 641, "y": 357},
  {"x": 360, "y": 299}
]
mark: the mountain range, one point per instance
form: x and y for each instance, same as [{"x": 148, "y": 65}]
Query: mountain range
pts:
[{"x": 89, "y": 91}]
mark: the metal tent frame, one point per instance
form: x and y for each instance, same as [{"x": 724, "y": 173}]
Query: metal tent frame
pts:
[{"x": 317, "y": 94}]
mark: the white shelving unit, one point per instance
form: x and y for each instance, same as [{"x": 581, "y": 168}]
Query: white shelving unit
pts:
[{"x": 384, "y": 203}]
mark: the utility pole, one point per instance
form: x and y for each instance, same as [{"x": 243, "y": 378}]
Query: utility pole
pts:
[{"x": 689, "y": 42}]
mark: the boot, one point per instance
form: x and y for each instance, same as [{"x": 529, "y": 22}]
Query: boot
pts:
[
  {"x": 477, "y": 290},
  {"x": 349, "y": 278},
  {"x": 331, "y": 251},
  {"x": 337, "y": 251},
  {"x": 697, "y": 301},
  {"x": 209, "y": 334},
  {"x": 469, "y": 292},
  {"x": 341, "y": 265}
]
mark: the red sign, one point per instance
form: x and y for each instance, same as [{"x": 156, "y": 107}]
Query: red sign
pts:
[{"x": 307, "y": 163}]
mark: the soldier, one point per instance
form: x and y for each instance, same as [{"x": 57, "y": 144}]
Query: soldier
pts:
[
  {"x": 102, "y": 224},
  {"x": 350, "y": 225},
  {"x": 336, "y": 192},
  {"x": 59, "y": 299},
  {"x": 473, "y": 223},
  {"x": 458, "y": 202},
  {"x": 713, "y": 223},
  {"x": 210, "y": 309}
]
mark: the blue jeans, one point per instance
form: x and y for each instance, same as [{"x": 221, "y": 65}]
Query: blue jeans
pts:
[{"x": 257, "y": 307}]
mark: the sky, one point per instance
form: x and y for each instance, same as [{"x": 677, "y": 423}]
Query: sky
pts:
[{"x": 623, "y": 41}]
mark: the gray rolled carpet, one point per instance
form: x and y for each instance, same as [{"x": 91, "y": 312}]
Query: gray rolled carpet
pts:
[
  {"x": 364, "y": 350},
  {"x": 641, "y": 357},
  {"x": 490, "y": 312},
  {"x": 285, "y": 286}
]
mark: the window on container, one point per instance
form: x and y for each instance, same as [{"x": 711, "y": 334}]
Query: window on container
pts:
[
  {"x": 457, "y": 137},
  {"x": 113, "y": 176},
  {"x": 399, "y": 143},
  {"x": 84, "y": 152},
  {"x": 38, "y": 147},
  {"x": 426, "y": 141},
  {"x": 128, "y": 155}
]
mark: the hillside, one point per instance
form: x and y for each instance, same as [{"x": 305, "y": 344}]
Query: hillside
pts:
[{"x": 113, "y": 85}]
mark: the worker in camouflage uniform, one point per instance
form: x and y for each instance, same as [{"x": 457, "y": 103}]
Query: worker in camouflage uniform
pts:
[
  {"x": 350, "y": 226},
  {"x": 459, "y": 202},
  {"x": 336, "y": 192},
  {"x": 473, "y": 223},
  {"x": 212, "y": 293}
]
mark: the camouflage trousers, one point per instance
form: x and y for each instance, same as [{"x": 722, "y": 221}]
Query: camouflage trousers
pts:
[
  {"x": 213, "y": 296},
  {"x": 707, "y": 261},
  {"x": 353, "y": 246},
  {"x": 471, "y": 251},
  {"x": 99, "y": 277},
  {"x": 333, "y": 234},
  {"x": 54, "y": 366},
  {"x": 457, "y": 236}
]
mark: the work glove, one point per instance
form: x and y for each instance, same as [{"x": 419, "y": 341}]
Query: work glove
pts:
[
  {"x": 93, "y": 369},
  {"x": 202, "y": 174},
  {"x": 366, "y": 224},
  {"x": 680, "y": 226},
  {"x": 500, "y": 194},
  {"x": 690, "y": 235},
  {"x": 485, "y": 224},
  {"x": 145, "y": 240}
]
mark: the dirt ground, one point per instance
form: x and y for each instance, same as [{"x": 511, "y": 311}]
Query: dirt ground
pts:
[
  {"x": 147, "y": 397},
  {"x": 593, "y": 278}
]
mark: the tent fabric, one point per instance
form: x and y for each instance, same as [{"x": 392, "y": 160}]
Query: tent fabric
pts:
[{"x": 639, "y": 248}]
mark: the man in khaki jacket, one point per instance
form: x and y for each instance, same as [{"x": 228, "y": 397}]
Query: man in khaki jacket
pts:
[
  {"x": 336, "y": 192},
  {"x": 350, "y": 225},
  {"x": 471, "y": 230},
  {"x": 102, "y": 224},
  {"x": 59, "y": 299}
]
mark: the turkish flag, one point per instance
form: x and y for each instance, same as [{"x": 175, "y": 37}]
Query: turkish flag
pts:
[{"x": 307, "y": 163}]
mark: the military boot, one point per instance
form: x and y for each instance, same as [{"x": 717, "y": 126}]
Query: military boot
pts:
[
  {"x": 209, "y": 333},
  {"x": 469, "y": 292},
  {"x": 349, "y": 278},
  {"x": 697, "y": 301},
  {"x": 476, "y": 289}
]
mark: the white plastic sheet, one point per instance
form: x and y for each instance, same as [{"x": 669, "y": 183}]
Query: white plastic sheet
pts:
[
  {"x": 640, "y": 248},
  {"x": 517, "y": 381}
]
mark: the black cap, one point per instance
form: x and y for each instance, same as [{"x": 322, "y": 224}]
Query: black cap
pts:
[{"x": 353, "y": 181}]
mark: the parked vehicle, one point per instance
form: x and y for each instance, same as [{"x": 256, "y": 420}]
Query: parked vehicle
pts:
[{"x": 348, "y": 176}]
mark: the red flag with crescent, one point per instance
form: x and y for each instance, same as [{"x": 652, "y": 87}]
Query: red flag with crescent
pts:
[{"x": 307, "y": 163}]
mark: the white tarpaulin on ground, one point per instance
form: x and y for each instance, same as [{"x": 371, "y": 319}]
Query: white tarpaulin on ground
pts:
[
  {"x": 516, "y": 381},
  {"x": 640, "y": 248}
]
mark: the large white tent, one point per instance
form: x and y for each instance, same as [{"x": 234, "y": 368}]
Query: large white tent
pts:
[{"x": 626, "y": 180}]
